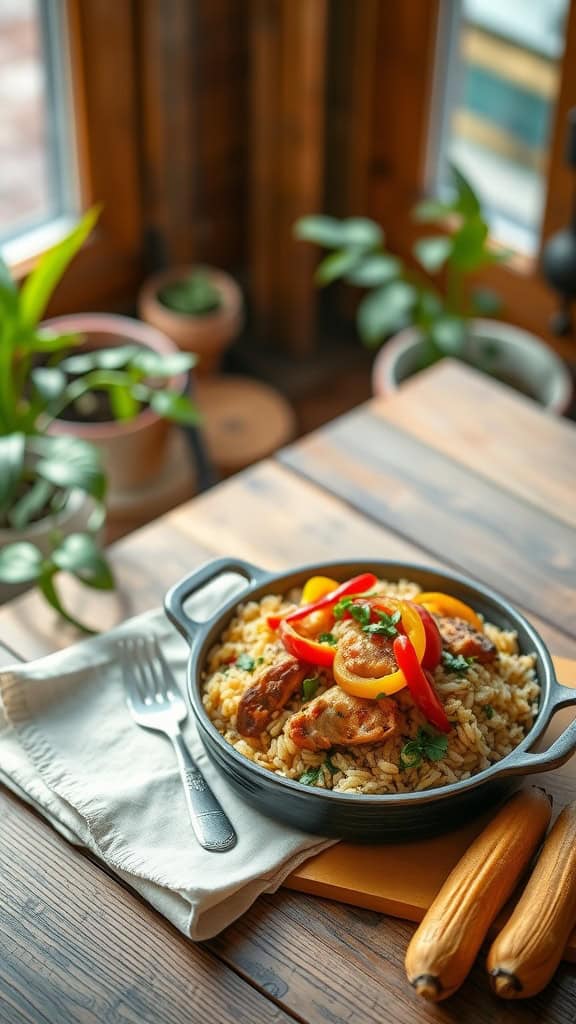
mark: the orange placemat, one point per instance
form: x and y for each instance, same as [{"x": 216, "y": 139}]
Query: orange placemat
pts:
[{"x": 402, "y": 879}]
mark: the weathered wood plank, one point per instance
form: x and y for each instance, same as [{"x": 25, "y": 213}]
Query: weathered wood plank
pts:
[
  {"x": 450, "y": 510},
  {"x": 78, "y": 947},
  {"x": 499, "y": 433}
]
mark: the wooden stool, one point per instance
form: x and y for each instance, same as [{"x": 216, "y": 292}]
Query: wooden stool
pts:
[{"x": 243, "y": 420}]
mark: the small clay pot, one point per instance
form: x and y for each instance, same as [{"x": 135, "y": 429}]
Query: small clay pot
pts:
[
  {"x": 207, "y": 335},
  {"x": 132, "y": 451}
]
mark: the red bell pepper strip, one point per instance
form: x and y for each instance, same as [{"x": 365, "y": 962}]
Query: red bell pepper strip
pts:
[
  {"x": 357, "y": 585},
  {"x": 304, "y": 648},
  {"x": 433, "y": 651},
  {"x": 420, "y": 684}
]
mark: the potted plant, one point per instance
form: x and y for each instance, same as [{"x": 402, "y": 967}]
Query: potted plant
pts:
[
  {"x": 434, "y": 321},
  {"x": 199, "y": 308},
  {"x": 53, "y": 484}
]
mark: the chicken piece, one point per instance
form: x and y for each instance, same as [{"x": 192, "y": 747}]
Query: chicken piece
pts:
[
  {"x": 367, "y": 654},
  {"x": 459, "y": 637},
  {"x": 337, "y": 719},
  {"x": 272, "y": 688}
]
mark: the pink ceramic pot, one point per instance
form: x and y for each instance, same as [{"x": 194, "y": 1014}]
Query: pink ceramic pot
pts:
[{"x": 133, "y": 451}]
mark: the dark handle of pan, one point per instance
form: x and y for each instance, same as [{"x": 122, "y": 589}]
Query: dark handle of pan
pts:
[
  {"x": 180, "y": 592},
  {"x": 523, "y": 762}
]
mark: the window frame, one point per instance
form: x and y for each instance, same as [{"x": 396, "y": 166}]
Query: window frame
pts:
[{"x": 103, "y": 71}]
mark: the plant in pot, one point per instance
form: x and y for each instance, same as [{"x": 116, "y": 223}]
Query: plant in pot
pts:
[
  {"x": 435, "y": 310},
  {"x": 52, "y": 487},
  {"x": 199, "y": 308}
]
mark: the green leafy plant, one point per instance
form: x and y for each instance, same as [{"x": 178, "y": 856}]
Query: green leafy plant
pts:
[
  {"x": 39, "y": 380},
  {"x": 194, "y": 295},
  {"x": 397, "y": 295}
]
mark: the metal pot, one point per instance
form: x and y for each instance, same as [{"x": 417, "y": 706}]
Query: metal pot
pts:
[{"x": 354, "y": 816}]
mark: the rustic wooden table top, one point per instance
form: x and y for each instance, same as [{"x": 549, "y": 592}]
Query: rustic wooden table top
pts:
[{"x": 455, "y": 470}]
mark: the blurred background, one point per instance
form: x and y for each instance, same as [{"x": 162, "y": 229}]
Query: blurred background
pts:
[{"x": 207, "y": 128}]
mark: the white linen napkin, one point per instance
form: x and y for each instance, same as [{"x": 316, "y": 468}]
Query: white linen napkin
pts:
[{"x": 70, "y": 748}]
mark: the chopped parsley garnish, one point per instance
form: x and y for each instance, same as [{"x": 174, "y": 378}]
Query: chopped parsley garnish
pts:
[
  {"x": 340, "y": 608},
  {"x": 379, "y": 696},
  {"x": 385, "y": 627},
  {"x": 489, "y": 711},
  {"x": 330, "y": 765},
  {"x": 456, "y": 662},
  {"x": 310, "y": 776},
  {"x": 432, "y": 746},
  {"x": 245, "y": 661},
  {"x": 327, "y": 638},
  {"x": 309, "y": 687},
  {"x": 362, "y": 613}
]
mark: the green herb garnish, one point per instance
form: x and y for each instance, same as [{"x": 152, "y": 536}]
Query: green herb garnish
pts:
[
  {"x": 432, "y": 746},
  {"x": 310, "y": 776},
  {"x": 385, "y": 627},
  {"x": 330, "y": 765},
  {"x": 340, "y": 609},
  {"x": 327, "y": 638},
  {"x": 489, "y": 711},
  {"x": 309, "y": 687},
  {"x": 245, "y": 661},
  {"x": 361, "y": 612},
  {"x": 380, "y": 696},
  {"x": 456, "y": 662}
]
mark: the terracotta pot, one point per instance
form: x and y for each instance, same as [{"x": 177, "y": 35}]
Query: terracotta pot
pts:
[
  {"x": 133, "y": 451},
  {"x": 208, "y": 335},
  {"x": 72, "y": 518},
  {"x": 519, "y": 357}
]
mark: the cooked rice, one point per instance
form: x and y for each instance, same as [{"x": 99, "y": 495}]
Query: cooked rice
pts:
[{"x": 508, "y": 686}]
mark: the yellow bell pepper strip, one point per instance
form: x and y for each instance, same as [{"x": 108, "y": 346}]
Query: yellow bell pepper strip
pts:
[
  {"x": 316, "y": 587},
  {"x": 420, "y": 684},
  {"x": 373, "y": 688},
  {"x": 357, "y": 585},
  {"x": 445, "y": 604},
  {"x": 304, "y": 648}
]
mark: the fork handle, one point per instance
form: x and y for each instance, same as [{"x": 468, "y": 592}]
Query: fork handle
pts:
[{"x": 211, "y": 826}]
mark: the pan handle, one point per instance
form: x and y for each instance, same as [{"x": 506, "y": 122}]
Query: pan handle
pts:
[
  {"x": 180, "y": 592},
  {"x": 523, "y": 762}
]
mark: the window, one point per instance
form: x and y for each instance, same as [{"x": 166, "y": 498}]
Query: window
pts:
[
  {"x": 497, "y": 80},
  {"x": 37, "y": 166}
]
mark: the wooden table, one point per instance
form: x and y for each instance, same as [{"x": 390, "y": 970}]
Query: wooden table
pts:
[{"x": 455, "y": 470}]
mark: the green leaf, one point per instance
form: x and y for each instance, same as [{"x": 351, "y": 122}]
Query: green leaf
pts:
[
  {"x": 488, "y": 711},
  {"x": 330, "y": 765},
  {"x": 325, "y": 231},
  {"x": 433, "y": 252},
  {"x": 30, "y": 505},
  {"x": 157, "y": 364},
  {"x": 309, "y": 687},
  {"x": 486, "y": 302},
  {"x": 339, "y": 609},
  {"x": 49, "y": 591},
  {"x": 327, "y": 638},
  {"x": 38, "y": 287},
  {"x": 246, "y": 662},
  {"x": 7, "y": 282},
  {"x": 410, "y": 755},
  {"x": 46, "y": 340},
  {"x": 332, "y": 233},
  {"x": 468, "y": 245},
  {"x": 124, "y": 405},
  {"x": 384, "y": 311},
  {"x": 429, "y": 210},
  {"x": 360, "y": 613},
  {"x": 49, "y": 382},
  {"x": 336, "y": 265},
  {"x": 310, "y": 776},
  {"x": 374, "y": 270},
  {"x": 449, "y": 334},
  {"x": 467, "y": 203},
  {"x": 80, "y": 555},
  {"x": 68, "y": 462},
  {"x": 12, "y": 450},
  {"x": 20, "y": 563},
  {"x": 114, "y": 358},
  {"x": 456, "y": 662},
  {"x": 176, "y": 407}
]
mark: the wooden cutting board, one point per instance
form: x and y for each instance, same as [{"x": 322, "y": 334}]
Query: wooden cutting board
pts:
[{"x": 402, "y": 879}]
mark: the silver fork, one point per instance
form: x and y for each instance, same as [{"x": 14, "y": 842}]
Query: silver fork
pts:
[{"x": 155, "y": 703}]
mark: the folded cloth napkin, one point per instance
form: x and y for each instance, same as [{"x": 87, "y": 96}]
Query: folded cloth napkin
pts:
[{"x": 70, "y": 748}]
